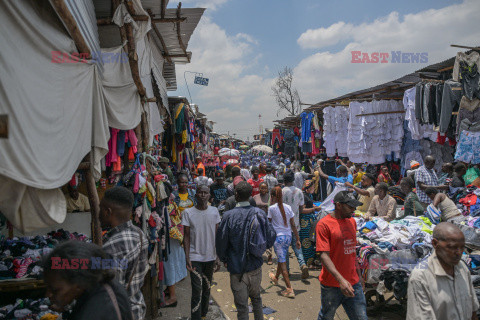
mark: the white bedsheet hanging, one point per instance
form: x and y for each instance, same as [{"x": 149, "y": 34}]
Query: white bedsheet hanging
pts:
[{"x": 56, "y": 114}]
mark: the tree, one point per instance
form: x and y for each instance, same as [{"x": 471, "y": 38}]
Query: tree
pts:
[{"x": 285, "y": 94}]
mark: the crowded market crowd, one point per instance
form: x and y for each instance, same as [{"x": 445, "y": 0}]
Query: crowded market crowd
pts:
[{"x": 373, "y": 224}]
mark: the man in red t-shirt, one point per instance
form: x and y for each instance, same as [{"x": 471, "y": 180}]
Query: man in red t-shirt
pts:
[
  {"x": 255, "y": 181},
  {"x": 340, "y": 280}
]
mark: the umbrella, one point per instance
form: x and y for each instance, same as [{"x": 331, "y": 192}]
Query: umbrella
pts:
[
  {"x": 243, "y": 147},
  {"x": 263, "y": 148},
  {"x": 228, "y": 152}
]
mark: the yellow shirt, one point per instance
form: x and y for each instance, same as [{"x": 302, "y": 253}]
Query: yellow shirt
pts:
[
  {"x": 81, "y": 204},
  {"x": 358, "y": 178},
  {"x": 366, "y": 199}
]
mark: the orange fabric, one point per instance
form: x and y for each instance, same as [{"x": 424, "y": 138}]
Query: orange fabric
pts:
[
  {"x": 200, "y": 165},
  {"x": 338, "y": 237}
]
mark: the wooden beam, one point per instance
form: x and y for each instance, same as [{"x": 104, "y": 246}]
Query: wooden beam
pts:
[
  {"x": 182, "y": 55},
  {"x": 179, "y": 34},
  {"x": 107, "y": 21},
  {"x": 159, "y": 35},
  {"x": 163, "y": 7},
  {"x": 4, "y": 126},
  {"x": 465, "y": 47},
  {"x": 71, "y": 25},
  {"x": 169, "y": 20},
  {"x": 127, "y": 33},
  {"x": 445, "y": 69}
]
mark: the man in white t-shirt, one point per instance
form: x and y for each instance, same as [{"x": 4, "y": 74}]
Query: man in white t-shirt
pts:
[
  {"x": 293, "y": 196},
  {"x": 200, "y": 226}
]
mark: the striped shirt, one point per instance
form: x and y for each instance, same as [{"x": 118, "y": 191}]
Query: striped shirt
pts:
[
  {"x": 428, "y": 177},
  {"x": 123, "y": 242}
]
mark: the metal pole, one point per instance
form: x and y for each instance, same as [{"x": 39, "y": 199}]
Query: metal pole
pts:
[{"x": 188, "y": 89}]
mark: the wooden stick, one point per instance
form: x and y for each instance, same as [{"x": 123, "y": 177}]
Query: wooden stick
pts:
[
  {"x": 4, "y": 126},
  {"x": 94, "y": 207},
  {"x": 107, "y": 21},
  {"x": 384, "y": 112},
  {"x": 445, "y": 69},
  {"x": 163, "y": 7},
  {"x": 159, "y": 35},
  {"x": 169, "y": 20},
  {"x": 465, "y": 47},
  {"x": 71, "y": 25},
  {"x": 179, "y": 35}
]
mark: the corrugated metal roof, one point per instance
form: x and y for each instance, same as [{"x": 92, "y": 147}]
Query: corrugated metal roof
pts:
[
  {"x": 168, "y": 32},
  {"x": 170, "y": 76}
]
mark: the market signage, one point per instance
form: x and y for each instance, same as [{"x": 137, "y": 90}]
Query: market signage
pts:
[{"x": 201, "y": 81}]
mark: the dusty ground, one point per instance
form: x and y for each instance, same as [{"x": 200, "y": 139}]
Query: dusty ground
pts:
[{"x": 305, "y": 305}]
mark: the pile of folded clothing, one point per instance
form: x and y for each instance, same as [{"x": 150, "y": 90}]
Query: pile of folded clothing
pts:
[
  {"x": 20, "y": 257},
  {"x": 28, "y": 309}
]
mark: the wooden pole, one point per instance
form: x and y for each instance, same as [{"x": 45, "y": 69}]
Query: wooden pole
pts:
[
  {"x": 159, "y": 35},
  {"x": 94, "y": 207},
  {"x": 179, "y": 34},
  {"x": 71, "y": 25},
  {"x": 3, "y": 126}
]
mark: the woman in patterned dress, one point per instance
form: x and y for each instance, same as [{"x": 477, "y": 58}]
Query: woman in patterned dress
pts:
[
  {"x": 307, "y": 217},
  {"x": 175, "y": 266}
]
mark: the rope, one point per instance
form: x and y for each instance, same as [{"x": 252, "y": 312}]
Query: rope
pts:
[{"x": 201, "y": 277}]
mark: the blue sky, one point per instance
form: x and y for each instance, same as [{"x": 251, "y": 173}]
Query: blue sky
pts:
[{"x": 241, "y": 45}]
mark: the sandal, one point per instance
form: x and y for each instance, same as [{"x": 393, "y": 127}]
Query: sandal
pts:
[
  {"x": 273, "y": 278},
  {"x": 288, "y": 293}
]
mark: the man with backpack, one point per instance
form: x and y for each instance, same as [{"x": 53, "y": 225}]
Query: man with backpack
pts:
[{"x": 242, "y": 237}]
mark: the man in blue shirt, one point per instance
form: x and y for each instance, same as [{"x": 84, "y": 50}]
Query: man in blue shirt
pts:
[
  {"x": 232, "y": 243},
  {"x": 343, "y": 174}
]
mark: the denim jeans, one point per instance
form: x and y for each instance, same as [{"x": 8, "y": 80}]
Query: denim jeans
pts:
[
  {"x": 298, "y": 254},
  {"x": 200, "y": 288},
  {"x": 244, "y": 287},
  {"x": 332, "y": 298}
]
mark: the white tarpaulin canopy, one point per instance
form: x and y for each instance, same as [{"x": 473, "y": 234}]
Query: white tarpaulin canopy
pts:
[{"x": 56, "y": 114}]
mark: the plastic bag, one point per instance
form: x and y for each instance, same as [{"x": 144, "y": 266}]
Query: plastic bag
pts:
[{"x": 471, "y": 175}]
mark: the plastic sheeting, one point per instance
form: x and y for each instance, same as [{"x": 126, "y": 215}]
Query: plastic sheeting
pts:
[{"x": 56, "y": 113}]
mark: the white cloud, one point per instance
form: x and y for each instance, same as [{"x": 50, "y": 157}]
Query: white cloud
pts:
[
  {"x": 326, "y": 74},
  {"x": 238, "y": 90},
  {"x": 240, "y": 87}
]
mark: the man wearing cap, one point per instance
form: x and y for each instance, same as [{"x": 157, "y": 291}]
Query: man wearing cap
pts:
[
  {"x": 218, "y": 190},
  {"x": 270, "y": 180},
  {"x": 163, "y": 162},
  {"x": 341, "y": 283},
  {"x": 414, "y": 165}
]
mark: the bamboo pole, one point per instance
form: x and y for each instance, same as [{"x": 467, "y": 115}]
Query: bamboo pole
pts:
[{"x": 71, "y": 25}]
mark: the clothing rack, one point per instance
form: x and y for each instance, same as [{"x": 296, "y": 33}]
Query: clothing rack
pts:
[{"x": 383, "y": 112}]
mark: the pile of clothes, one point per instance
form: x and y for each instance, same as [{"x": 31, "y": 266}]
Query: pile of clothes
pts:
[
  {"x": 28, "y": 309},
  {"x": 20, "y": 257},
  {"x": 388, "y": 250}
]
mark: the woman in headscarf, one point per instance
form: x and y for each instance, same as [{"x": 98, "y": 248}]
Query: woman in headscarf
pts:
[{"x": 307, "y": 217}]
